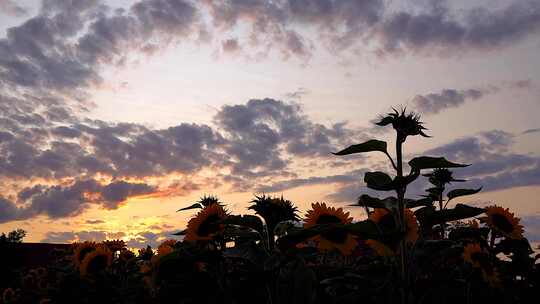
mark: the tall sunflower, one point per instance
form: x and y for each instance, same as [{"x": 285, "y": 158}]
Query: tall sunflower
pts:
[
  {"x": 503, "y": 221},
  {"x": 206, "y": 224},
  {"x": 96, "y": 261},
  {"x": 81, "y": 250},
  {"x": 334, "y": 238}
]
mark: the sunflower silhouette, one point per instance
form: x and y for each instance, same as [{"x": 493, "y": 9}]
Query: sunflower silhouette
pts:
[
  {"x": 503, "y": 221},
  {"x": 96, "y": 261},
  {"x": 206, "y": 224},
  {"x": 335, "y": 237}
]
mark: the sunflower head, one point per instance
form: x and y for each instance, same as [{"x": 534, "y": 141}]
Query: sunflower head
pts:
[
  {"x": 96, "y": 261},
  {"x": 274, "y": 209},
  {"x": 334, "y": 237},
  {"x": 504, "y": 222},
  {"x": 115, "y": 245},
  {"x": 405, "y": 124},
  {"x": 387, "y": 223},
  {"x": 81, "y": 250},
  {"x": 440, "y": 177},
  {"x": 208, "y": 200},
  {"x": 206, "y": 225}
]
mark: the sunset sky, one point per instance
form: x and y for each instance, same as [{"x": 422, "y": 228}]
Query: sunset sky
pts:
[{"x": 114, "y": 114}]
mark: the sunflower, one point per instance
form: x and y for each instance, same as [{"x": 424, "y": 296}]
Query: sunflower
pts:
[
  {"x": 96, "y": 261},
  {"x": 81, "y": 250},
  {"x": 384, "y": 218},
  {"x": 405, "y": 124},
  {"x": 205, "y": 225},
  {"x": 504, "y": 222},
  {"x": 334, "y": 238},
  {"x": 115, "y": 245}
]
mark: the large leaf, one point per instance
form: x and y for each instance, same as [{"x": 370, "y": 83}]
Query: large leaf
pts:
[
  {"x": 429, "y": 216},
  {"x": 428, "y": 162},
  {"x": 183, "y": 232},
  {"x": 462, "y": 192},
  {"x": 365, "y": 229},
  {"x": 194, "y": 206},
  {"x": 368, "y": 146},
  {"x": 426, "y": 201},
  {"x": 250, "y": 221},
  {"x": 388, "y": 202},
  {"x": 379, "y": 181}
]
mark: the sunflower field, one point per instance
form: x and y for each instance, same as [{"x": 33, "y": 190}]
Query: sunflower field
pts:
[{"x": 430, "y": 249}]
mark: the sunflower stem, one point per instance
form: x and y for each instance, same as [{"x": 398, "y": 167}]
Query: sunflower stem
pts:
[
  {"x": 401, "y": 215},
  {"x": 443, "y": 224}
]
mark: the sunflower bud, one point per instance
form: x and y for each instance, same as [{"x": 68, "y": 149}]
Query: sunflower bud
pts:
[{"x": 405, "y": 124}]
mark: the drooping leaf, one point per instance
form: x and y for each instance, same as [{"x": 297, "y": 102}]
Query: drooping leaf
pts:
[
  {"x": 462, "y": 192},
  {"x": 250, "y": 221},
  {"x": 379, "y": 181},
  {"x": 426, "y": 201},
  {"x": 388, "y": 202},
  {"x": 428, "y": 162},
  {"x": 429, "y": 216},
  {"x": 368, "y": 146},
  {"x": 183, "y": 232},
  {"x": 365, "y": 229},
  {"x": 194, "y": 206}
]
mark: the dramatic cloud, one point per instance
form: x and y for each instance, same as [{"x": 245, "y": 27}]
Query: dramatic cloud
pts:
[
  {"x": 449, "y": 98},
  {"x": 434, "y": 103},
  {"x": 438, "y": 30},
  {"x": 248, "y": 143},
  {"x": 70, "y": 200},
  {"x": 64, "y": 47}
]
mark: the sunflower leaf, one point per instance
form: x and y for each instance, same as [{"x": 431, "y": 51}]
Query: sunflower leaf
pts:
[
  {"x": 194, "y": 206},
  {"x": 428, "y": 162},
  {"x": 428, "y": 216},
  {"x": 462, "y": 192},
  {"x": 183, "y": 232},
  {"x": 368, "y": 146},
  {"x": 249, "y": 221},
  {"x": 379, "y": 181}
]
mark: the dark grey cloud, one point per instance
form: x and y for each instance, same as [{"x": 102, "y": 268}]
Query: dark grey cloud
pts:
[
  {"x": 71, "y": 236},
  {"x": 528, "y": 131},
  {"x": 255, "y": 141},
  {"x": 69, "y": 200},
  {"x": 63, "y": 48},
  {"x": 434, "y": 103},
  {"x": 494, "y": 166},
  {"x": 443, "y": 31}
]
